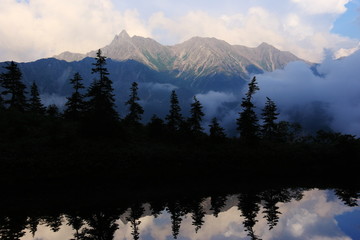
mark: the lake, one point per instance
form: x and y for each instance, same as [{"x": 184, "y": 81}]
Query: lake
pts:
[{"x": 288, "y": 213}]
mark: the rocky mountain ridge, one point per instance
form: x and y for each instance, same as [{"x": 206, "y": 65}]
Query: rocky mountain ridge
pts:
[{"x": 196, "y": 57}]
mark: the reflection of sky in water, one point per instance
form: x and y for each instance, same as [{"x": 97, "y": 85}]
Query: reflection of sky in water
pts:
[{"x": 317, "y": 216}]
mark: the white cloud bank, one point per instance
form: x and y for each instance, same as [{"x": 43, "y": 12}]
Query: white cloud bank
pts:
[
  {"x": 42, "y": 28},
  {"x": 330, "y": 98}
]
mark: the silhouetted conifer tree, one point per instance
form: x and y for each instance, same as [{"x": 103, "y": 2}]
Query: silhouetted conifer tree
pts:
[
  {"x": 54, "y": 222},
  {"x": 248, "y": 122},
  {"x": 174, "y": 118},
  {"x": 14, "y": 89},
  {"x": 269, "y": 128},
  {"x": 198, "y": 215},
  {"x": 32, "y": 224},
  {"x": 196, "y": 115},
  {"x": 102, "y": 226},
  {"x": 101, "y": 103},
  {"x": 35, "y": 104},
  {"x": 76, "y": 223},
  {"x": 135, "y": 109},
  {"x": 53, "y": 111},
  {"x": 75, "y": 103},
  {"x": 216, "y": 131},
  {"x": 135, "y": 213},
  {"x": 176, "y": 213},
  {"x": 155, "y": 127},
  {"x": 288, "y": 132},
  {"x": 217, "y": 203},
  {"x": 249, "y": 207}
]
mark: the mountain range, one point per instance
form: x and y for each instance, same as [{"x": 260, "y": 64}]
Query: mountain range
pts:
[
  {"x": 197, "y": 66},
  {"x": 194, "y": 58}
]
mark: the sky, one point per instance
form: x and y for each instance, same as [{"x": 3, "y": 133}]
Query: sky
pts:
[{"x": 34, "y": 29}]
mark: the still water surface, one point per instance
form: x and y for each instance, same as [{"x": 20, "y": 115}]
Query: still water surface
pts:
[{"x": 309, "y": 214}]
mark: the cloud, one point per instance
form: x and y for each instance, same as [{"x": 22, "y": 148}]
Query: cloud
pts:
[
  {"x": 330, "y": 98},
  {"x": 322, "y": 6},
  {"x": 288, "y": 25},
  {"x": 42, "y": 28},
  {"x": 48, "y": 99},
  {"x": 213, "y": 102}
]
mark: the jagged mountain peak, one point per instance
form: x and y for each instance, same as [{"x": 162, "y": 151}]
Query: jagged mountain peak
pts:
[
  {"x": 266, "y": 45},
  {"x": 123, "y": 34},
  {"x": 198, "y": 56}
]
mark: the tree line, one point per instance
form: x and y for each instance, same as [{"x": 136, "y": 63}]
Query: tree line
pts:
[{"x": 95, "y": 108}]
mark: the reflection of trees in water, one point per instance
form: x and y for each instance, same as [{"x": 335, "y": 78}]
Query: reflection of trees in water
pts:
[
  {"x": 176, "y": 211},
  {"x": 32, "y": 224},
  {"x": 271, "y": 198},
  {"x": 136, "y": 212},
  {"x": 12, "y": 227},
  {"x": 249, "y": 207},
  {"x": 198, "y": 214},
  {"x": 348, "y": 196},
  {"x": 217, "y": 203},
  {"x": 101, "y": 224}
]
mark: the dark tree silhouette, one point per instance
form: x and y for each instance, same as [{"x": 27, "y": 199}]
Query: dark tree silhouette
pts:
[
  {"x": 217, "y": 203},
  {"x": 102, "y": 226},
  {"x": 269, "y": 116},
  {"x": 54, "y": 222},
  {"x": 52, "y": 111},
  {"x": 75, "y": 103},
  {"x": 35, "y": 104},
  {"x": 198, "y": 214},
  {"x": 12, "y": 227},
  {"x": 76, "y": 223},
  {"x": 248, "y": 122},
  {"x": 135, "y": 109},
  {"x": 101, "y": 102},
  {"x": 156, "y": 127},
  {"x": 288, "y": 132},
  {"x": 136, "y": 212},
  {"x": 14, "y": 88},
  {"x": 348, "y": 196},
  {"x": 174, "y": 118},
  {"x": 2, "y": 104},
  {"x": 32, "y": 224},
  {"x": 216, "y": 131},
  {"x": 249, "y": 207},
  {"x": 271, "y": 198},
  {"x": 176, "y": 213},
  {"x": 196, "y": 115}
]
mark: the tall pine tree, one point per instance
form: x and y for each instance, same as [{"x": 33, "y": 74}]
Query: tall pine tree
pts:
[
  {"x": 196, "y": 117},
  {"x": 75, "y": 103},
  {"x": 248, "y": 122},
  {"x": 269, "y": 116},
  {"x": 14, "y": 88},
  {"x": 35, "y": 104},
  {"x": 216, "y": 131},
  {"x": 135, "y": 109},
  {"x": 2, "y": 105},
  {"x": 174, "y": 118},
  {"x": 101, "y": 103}
]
